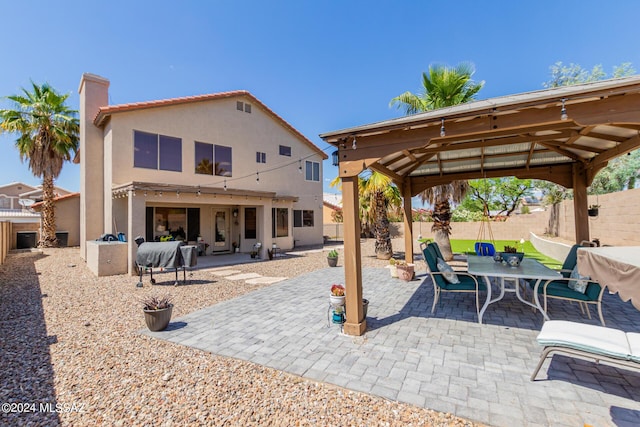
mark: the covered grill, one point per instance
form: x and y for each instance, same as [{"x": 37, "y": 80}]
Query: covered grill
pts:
[{"x": 165, "y": 255}]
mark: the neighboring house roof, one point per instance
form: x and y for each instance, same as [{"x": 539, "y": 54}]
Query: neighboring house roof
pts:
[
  {"x": 18, "y": 216},
  {"x": 333, "y": 201},
  {"x": 105, "y": 112},
  {"x": 37, "y": 206},
  {"x": 38, "y": 191},
  {"x": 17, "y": 183}
]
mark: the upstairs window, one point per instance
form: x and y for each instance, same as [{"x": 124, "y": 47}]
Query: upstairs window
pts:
[
  {"x": 261, "y": 157},
  {"x": 223, "y": 160},
  {"x": 312, "y": 171},
  {"x": 153, "y": 151},
  {"x": 204, "y": 158},
  {"x": 213, "y": 159},
  {"x": 285, "y": 151}
]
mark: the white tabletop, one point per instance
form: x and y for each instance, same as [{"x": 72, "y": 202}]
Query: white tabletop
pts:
[{"x": 528, "y": 269}]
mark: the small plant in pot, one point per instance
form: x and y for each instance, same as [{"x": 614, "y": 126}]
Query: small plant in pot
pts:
[
  {"x": 337, "y": 295},
  {"x": 157, "y": 311},
  {"x": 593, "y": 210},
  {"x": 332, "y": 258},
  {"x": 405, "y": 270},
  {"x": 392, "y": 267}
]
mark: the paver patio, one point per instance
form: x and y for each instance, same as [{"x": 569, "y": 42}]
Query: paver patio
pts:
[{"x": 445, "y": 361}]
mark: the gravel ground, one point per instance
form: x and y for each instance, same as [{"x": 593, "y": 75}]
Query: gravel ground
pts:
[{"x": 71, "y": 339}]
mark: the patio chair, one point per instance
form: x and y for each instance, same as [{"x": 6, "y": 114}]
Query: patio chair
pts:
[
  {"x": 560, "y": 289},
  {"x": 467, "y": 282}
]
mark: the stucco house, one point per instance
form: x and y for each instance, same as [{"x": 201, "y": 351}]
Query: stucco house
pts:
[
  {"x": 222, "y": 168},
  {"x": 17, "y": 202}
]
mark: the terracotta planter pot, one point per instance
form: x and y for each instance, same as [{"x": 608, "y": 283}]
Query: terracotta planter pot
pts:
[
  {"x": 333, "y": 262},
  {"x": 158, "y": 320},
  {"x": 405, "y": 272}
]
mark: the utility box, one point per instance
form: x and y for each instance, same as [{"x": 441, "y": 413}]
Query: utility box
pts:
[
  {"x": 107, "y": 258},
  {"x": 63, "y": 238},
  {"x": 26, "y": 239}
]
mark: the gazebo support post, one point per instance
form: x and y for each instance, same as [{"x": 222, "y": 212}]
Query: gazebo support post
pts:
[
  {"x": 352, "y": 258},
  {"x": 408, "y": 222},
  {"x": 580, "y": 203}
]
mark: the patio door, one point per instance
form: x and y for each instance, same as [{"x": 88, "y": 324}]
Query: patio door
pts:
[{"x": 221, "y": 230}]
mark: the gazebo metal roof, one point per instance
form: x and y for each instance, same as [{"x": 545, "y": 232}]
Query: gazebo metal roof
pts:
[{"x": 510, "y": 135}]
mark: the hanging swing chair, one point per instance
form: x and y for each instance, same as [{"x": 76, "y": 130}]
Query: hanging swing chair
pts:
[{"x": 482, "y": 246}]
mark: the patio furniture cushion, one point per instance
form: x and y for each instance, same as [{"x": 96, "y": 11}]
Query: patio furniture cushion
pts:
[
  {"x": 589, "y": 341},
  {"x": 466, "y": 282},
  {"x": 580, "y": 282},
  {"x": 560, "y": 288},
  {"x": 449, "y": 275},
  {"x": 590, "y": 338},
  {"x": 634, "y": 345}
]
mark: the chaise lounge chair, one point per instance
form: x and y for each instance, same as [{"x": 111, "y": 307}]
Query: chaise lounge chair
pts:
[{"x": 589, "y": 341}]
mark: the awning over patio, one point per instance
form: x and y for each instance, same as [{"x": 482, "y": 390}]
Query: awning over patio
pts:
[{"x": 564, "y": 135}]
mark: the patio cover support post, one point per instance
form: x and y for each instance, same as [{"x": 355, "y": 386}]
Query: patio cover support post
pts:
[
  {"x": 352, "y": 258},
  {"x": 580, "y": 203},
  {"x": 408, "y": 222}
]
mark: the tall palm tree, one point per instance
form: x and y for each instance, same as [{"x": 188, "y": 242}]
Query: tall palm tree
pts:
[
  {"x": 47, "y": 136},
  {"x": 442, "y": 86}
]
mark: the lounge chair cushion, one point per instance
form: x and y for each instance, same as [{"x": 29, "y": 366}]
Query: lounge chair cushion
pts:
[
  {"x": 579, "y": 282},
  {"x": 590, "y": 338},
  {"x": 634, "y": 345},
  {"x": 448, "y": 273}
]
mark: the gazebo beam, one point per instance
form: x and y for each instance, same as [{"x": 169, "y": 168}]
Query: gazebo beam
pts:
[
  {"x": 408, "y": 221},
  {"x": 560, "y": 174},
  {"x": 580, "y": 202},
  {"x": 355, "y": 324}
]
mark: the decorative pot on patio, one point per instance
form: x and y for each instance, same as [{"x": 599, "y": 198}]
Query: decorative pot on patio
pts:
[
  {"x": 157, "y": 312},
  {"x": 332, "y": 258},
  {"x": 158, "y": 320},
  {"x": 405, "y": 271},
  {"x": 392, "y": 267},
  {"x": 593, "y": 210}
]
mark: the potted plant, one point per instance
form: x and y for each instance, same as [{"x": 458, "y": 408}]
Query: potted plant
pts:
[
  {"x": 337, "y": 295},
  {"x": 392, "y": 267},
  {"x": 253, "y": 253},
  {"x": 236, "y": 248},
  {"x": 332, "y": 258},
  {"x": 512, "y": 251},
  {"x": 157, "y": 312},
  {"x": 405, "y": 270},
  {"x": 593, "y": 210}
]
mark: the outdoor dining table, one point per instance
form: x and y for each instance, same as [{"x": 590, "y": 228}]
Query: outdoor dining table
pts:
[
  {"x": 616, "y": 267},
  {"x": 486, "y": 267}
]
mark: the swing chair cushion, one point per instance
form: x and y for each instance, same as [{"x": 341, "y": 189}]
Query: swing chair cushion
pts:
[
  {"x": 447, "y": 271},
  {"x": 484, "y": 249}
]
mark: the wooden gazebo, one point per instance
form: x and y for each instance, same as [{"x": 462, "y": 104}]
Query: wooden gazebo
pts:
[{"x": 564, "y": 135}]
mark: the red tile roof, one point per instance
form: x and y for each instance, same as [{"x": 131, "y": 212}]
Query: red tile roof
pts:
[
  {"x": 105, "y": 112},
  {"x": 57, "y": 199}
]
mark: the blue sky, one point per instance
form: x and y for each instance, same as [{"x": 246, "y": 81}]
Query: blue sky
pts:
[{"x": 322, "y": 65}]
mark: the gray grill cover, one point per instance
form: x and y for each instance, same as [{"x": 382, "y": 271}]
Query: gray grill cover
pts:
[{"x": 166, "y": 255}]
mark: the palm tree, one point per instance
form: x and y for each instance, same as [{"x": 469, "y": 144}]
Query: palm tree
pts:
[
  {"x": 47, "y": 136},
  {"x": 376, "y": 196},
  {"x": 442, "y": 87},
  {"x": 378, "y": 188}
]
